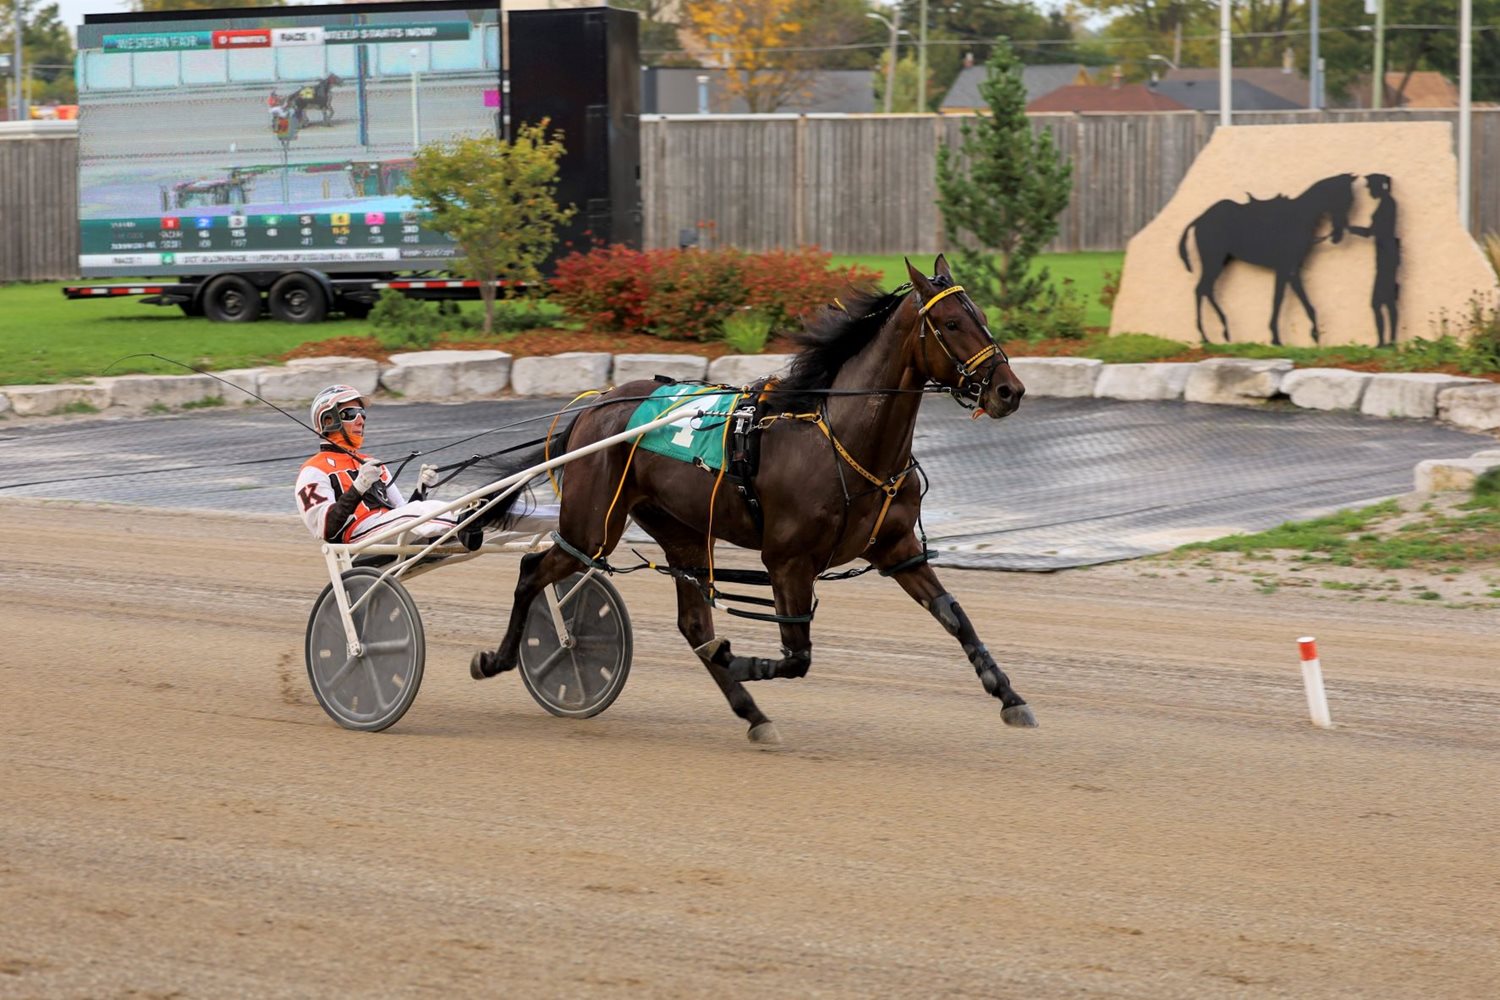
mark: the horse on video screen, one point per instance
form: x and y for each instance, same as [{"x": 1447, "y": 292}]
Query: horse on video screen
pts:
[
  {"x": 835, "y": 481},
  {"x": 316, "y": 96},
  {"x": 1276, "y": 233}
]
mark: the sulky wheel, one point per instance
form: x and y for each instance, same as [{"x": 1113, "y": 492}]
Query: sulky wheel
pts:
[
  {"x": 373, "y": 689},
  {"x": 579, "y": 674}
]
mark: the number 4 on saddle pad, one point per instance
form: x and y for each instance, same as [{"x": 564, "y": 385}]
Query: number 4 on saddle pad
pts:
[{"x": 702, "y": 445}]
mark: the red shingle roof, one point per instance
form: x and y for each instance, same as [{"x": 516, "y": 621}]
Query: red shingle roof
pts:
[{"x": 1131, "y": 97}]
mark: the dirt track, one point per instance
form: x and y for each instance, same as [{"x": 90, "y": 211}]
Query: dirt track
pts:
[{"x": 181, "y": 819}]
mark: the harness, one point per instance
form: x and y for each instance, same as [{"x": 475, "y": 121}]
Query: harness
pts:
[
  {"x": 742, "y": 428},
  {"x": 968, "y": 392}
]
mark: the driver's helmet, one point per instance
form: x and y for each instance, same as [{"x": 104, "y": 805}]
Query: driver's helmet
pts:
[{"x": 325, "y": 407}]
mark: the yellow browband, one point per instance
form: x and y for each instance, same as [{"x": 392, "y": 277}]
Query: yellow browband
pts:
[
  {"x": 985, "y": 353},
  {"x": 951, "y": 289}
]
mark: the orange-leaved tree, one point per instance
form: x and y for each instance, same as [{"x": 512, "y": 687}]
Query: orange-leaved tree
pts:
[{"x": 748, "y": 38}]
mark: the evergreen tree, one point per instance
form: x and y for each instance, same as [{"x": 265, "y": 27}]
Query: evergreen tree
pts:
[{"x": 1000, "y": 194}]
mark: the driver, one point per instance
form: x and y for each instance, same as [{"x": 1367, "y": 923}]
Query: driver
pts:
[{"x": 343, "y": 493}]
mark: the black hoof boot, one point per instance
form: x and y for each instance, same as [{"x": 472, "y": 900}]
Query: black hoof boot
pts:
[{"x": 486, "y": 664}]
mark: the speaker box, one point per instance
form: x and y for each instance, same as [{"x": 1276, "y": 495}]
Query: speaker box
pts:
[{"x": 580, "y": 67}]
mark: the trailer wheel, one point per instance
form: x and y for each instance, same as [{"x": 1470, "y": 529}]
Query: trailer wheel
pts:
[
  {"x": 191, "y": 308},
  {"x": 230, "y": 298},
  {"x": 297, "y": 298}
]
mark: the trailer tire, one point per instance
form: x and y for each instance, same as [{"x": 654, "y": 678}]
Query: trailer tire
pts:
[
  {"x": 230, "y": 298},
  {"x": 298, "y": 298},
  {"x": 194, "y": 308}
]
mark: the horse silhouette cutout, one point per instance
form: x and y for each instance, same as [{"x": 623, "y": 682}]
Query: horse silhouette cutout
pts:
[{"x": 1276, "y": 233}]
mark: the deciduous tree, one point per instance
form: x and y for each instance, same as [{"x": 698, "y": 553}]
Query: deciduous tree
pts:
[
  {"x": 497, "y": 199},
  {"x": 749, "y": 39}
]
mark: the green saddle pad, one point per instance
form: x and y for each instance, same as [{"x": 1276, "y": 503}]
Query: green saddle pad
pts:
[{"x": 681, "y": 441}]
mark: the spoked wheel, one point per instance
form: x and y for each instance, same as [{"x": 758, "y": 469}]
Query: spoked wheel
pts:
[
  {"x": 580, "y": 672},
  {"x": 371, "y": 689}
]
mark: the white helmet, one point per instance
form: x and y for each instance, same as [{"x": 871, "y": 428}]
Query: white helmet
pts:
[{"x": 325, "y": 407}]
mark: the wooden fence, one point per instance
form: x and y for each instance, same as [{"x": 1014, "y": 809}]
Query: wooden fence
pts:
[
  {"x": 857, "y": 184},
  {"x": 866, "y": 183},
  {"x": 39, "y": 206}
]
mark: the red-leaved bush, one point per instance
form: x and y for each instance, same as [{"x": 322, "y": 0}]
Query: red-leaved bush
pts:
[{"x": 686, "y": 294}]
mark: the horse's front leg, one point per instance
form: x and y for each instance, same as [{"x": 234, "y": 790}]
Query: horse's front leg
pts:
[
  {"x": 1312, "y": 314},
  {"x": 792, "y": 586},
  {"x": 924, "y": 587}
]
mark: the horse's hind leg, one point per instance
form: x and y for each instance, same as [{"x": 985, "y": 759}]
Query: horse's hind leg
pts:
[
  {"x": 1204, "y": 291},
  {"x": 923, "y": 585},
  {"x": 688, "y": 549},
  {"x": 539, "y": 570}
]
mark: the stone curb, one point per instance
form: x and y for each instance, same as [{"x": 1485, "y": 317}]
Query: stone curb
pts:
[{"x": 1466, "y": 403}]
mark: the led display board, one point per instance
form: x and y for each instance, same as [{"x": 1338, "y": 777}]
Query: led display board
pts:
[{"x": 273, "y": 137}]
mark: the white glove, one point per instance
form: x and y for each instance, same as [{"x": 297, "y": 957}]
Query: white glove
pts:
[
  {"x": 369, "y": 475},
  {"x": 428, "y": 477}
]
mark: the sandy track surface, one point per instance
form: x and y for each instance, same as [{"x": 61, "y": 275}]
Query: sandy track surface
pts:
[{"x": 182, "y": 820}]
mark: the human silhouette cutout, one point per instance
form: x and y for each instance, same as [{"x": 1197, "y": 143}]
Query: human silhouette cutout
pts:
[{"x": 1386, "y": 291}]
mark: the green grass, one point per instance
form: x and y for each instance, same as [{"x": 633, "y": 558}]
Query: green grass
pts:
[
  {"x": 1085, "y": 270},
  {"x": 45, "y": 338},
  {"x": 1441, "y": 543}
]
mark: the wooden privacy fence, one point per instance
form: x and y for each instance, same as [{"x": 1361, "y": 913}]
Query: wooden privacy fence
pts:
[
  {"x": 856, "y": 184},
  {"x": 867, "y": 183},
  {"x": 39, "y": 206}
]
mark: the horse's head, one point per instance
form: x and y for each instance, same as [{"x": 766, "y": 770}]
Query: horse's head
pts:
[
  {"x": 954, "y": 347},
  {"x": 333, "y": 79},
  {"x": 1333, "y": 196}
]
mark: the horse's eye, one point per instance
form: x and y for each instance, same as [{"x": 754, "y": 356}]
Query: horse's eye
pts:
[{"x": 952, "y": 324}]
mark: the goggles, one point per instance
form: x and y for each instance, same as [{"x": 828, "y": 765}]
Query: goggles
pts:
[{"x": 347, "y": 413}]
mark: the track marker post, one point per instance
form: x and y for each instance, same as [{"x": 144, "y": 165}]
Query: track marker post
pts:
[{"x": 1312, "y": 683}]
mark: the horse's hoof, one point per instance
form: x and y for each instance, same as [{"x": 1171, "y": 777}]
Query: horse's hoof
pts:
[
  {"x": 485, "y": 665},
  {"x": 765, "y": 734},
  {"x": 1018, "y": 715}
]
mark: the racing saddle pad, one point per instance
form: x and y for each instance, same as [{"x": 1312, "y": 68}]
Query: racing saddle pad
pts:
[{"x": 702, "y": 445}]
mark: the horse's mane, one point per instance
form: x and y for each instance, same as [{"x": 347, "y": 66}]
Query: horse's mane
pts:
[{"x": 828, "y": 340}]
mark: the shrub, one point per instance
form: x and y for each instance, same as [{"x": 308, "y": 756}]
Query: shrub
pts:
[
  {"x": 405, "y": 322},
  {"x": 519, "y": 315},
  {"x": 688, "y": 294},
  {"x": 747, "y": 331},
  {"x": 1110, "y": 290}
]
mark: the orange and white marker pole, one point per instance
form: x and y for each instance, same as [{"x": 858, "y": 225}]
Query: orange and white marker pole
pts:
[{"x": 1312, "y": 682}]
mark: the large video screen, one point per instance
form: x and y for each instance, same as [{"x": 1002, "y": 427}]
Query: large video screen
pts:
[{"x": 273, "y": 137}]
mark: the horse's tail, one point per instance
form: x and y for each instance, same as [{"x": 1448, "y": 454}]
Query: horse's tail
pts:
[
  {"x": 504, "y": 466},
  {"x": 1182, "y": 244}
]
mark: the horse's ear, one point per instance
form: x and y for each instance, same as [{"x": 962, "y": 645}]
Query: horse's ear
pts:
[
  {"x": 918, "y": 280},
  {"x": 940, "y": 268}
]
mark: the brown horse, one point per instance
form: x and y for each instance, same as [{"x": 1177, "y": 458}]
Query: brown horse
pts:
[{"x": 830, "y": 491}]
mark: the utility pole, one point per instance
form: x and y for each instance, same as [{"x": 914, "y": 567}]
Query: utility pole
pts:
[
  {"x": 922, "y": 57},
  {"x": 1224, "y": 63},
  {"x": 1377, "y": 88},
  {"x": 1314, "y": 83},
  {"x": 17, "y": 89},
  {"x": 1465, "y": 107},
  {"x": 894, "y": 24}
]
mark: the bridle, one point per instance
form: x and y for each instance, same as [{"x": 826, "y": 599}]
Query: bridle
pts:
[{"x": 974, "y": 377}]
